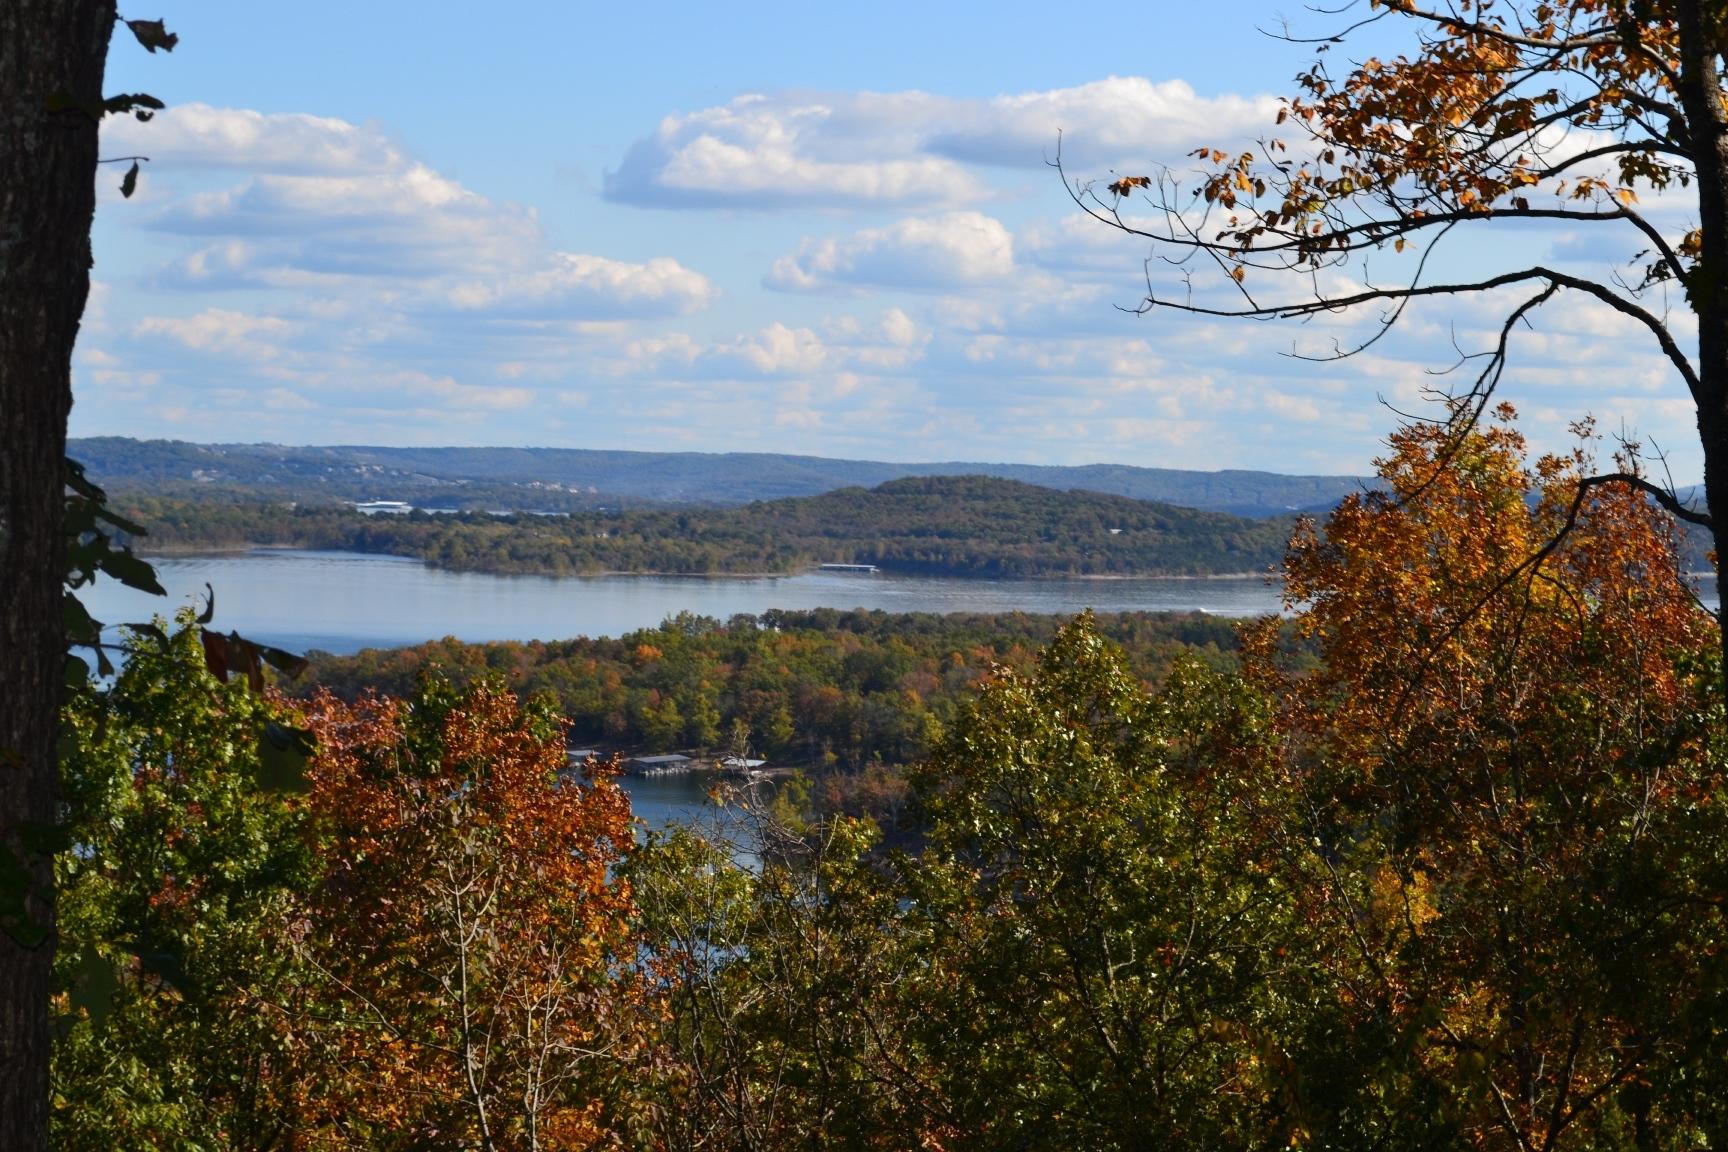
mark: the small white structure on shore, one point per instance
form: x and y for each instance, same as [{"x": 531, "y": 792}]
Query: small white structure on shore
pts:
[
  {"x": 660, "y": 765},
  {"x": 385, "y": 507}
]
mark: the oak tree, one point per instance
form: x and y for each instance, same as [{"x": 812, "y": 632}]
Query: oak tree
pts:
[
  {"x": 1596, "y": 117},
  {"x": 1507, "y": 807}
]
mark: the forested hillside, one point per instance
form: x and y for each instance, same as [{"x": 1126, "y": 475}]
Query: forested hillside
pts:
[
  {"x": 969, "y": 526},
  {"x": 557, "y": 479}
]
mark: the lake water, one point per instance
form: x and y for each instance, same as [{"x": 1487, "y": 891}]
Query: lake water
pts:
[
  {"x": 688, "y": 798},
  {"x": 342, "y": 601}
]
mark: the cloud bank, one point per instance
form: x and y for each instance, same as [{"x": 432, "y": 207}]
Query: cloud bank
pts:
[{"x": 913, "y": 149}]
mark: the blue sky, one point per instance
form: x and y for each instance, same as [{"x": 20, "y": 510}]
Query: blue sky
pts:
[{"x": 821, "y": 229}]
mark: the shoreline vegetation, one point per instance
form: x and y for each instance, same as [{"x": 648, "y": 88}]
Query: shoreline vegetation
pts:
[
  {"x": 847, "y": 697},
  {"x": 949, "y": 526},
  {"x": 145, "y": 549},
  {"x": 1282, "y": 849}
]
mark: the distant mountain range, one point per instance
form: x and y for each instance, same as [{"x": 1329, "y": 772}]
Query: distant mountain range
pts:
[{"x": 563, "y": 479}]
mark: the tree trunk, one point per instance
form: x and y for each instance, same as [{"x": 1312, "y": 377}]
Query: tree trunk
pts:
[
  {"x": 1707, "y": 123},
  {"x": 50, "y": 51}
]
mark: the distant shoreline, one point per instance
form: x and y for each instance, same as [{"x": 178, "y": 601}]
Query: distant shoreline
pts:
[{"x": 193, "y": 551}]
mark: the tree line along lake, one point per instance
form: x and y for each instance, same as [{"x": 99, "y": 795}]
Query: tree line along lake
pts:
[{"x": 342, "y": 602}]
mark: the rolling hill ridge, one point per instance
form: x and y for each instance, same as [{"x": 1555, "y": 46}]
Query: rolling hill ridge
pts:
[
  {"x": 949, "y": 525},
  {"x": 567, "y": 479}
]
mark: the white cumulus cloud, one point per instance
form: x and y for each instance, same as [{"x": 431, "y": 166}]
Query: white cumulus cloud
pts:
[
  {"x": 951, "y": 251},
  {"x": 330, "y": 205},
  {"x": 1120, "y": 119},
  {"x": 592, "y": 286},
  {"x": 763, "y": 152},
  {"x": 245, "y": 140},
  {"x": 850, "y": 149}
]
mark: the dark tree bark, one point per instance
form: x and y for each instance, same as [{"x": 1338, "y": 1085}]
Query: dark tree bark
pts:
[
  {"x": 1701, "y": 95},
  {"x": 52, "y": 54}
]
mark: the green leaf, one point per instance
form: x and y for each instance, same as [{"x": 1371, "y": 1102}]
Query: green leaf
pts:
[
  {"x": 84, "y": 631},
  {"x": 153, "y": 35},
  {"x": 77, "y": 672},
  {"x": 133, "y": 572},
  {"x": 77, "y": 480},
  {"x": 284, "y": 662},
  {"x": 81, "y": 627},
  {"x": 283, "y": 756},
  {"x": 151, "y": 631},
  {"x": 94, "y": 983},
  {"x": 130, "y": 527}
]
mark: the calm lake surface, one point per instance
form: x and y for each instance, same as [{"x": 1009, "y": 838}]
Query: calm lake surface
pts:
[
  {"x": 687, "y": 799},
  {"x": 343, "y": 601}
]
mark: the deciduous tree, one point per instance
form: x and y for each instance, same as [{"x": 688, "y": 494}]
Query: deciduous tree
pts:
[
  {"x": 474, "y": 937},
  {"x": 1507, "y": 808},
  {"x": 1503, "y": 115},
  {"x": 788, "y": 990},
  {"x": 177, "y": 899},
  {"x": 1103, "y": 926}
]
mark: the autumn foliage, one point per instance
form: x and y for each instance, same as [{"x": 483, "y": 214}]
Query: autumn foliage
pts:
[
  {"x": 1502, "y": 763},
  {"x": 1493, "y": 604},
  {"x": 1548, "y": 120},
  {"x": 1471, "y": 124},
  {"x": 474, "y": 943},
  {"x": 1440, "y": 866}
]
